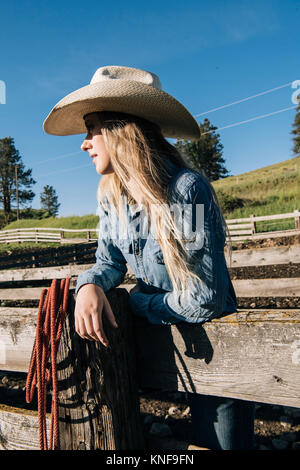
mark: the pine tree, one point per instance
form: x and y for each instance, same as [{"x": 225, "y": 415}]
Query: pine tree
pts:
[
  {"x": 296, "y": 131},
  {"x": 10, "y": 159},
  {"x": 205, "y": 154},
  {"x": 48, "y": 200}
]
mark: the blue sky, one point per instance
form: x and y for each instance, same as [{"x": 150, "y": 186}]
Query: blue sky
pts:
[{"x": 206, "y": 55}]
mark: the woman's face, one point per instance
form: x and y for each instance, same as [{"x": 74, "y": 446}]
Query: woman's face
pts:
[{"x": 94, "y": 144}]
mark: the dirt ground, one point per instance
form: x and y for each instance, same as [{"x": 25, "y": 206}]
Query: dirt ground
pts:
[{"x": 267, "y": 242}]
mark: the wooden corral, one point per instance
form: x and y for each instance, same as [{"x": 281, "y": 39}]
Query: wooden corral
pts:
[{"x": 253, "y": 354}]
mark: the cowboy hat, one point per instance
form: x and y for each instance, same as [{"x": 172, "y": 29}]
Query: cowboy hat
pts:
[{"x": 128, "y": 90}]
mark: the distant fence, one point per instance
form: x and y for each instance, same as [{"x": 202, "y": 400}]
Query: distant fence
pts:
[
  {"x": 245, "y": 228},
  {"x": 239, "y": 229},
  {"x": 43, "y": 234}
]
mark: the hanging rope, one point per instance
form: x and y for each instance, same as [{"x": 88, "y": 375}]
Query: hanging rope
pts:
[{"x": 43, "y": 369}]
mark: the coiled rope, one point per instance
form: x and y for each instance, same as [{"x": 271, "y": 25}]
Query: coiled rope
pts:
[{"x": 50, "y": 319}]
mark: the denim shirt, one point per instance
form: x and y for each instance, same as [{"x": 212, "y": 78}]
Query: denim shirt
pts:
[{"x": 156, "y": 300}]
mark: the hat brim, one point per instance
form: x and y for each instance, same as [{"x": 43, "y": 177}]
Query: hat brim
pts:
[{"x": 132, "y": 97}]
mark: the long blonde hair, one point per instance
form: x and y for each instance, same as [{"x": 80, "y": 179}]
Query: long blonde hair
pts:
[{"x": 138, "y": 150}]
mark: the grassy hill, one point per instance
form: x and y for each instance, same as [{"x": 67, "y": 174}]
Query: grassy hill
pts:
[
  {"x": 273, "y": 189},
  {"x": 73, "y": 222}
]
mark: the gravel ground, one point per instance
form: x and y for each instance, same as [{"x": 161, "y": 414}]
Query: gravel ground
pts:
[{"x": 267, "y": 242}]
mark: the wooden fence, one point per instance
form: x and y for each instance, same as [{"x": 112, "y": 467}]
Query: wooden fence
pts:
[
  {"x": 44, "y": 234},
  {"x": 245, "y": 228},
  {"x": 253, "y": 354},
  {"x": 75, "y": 253},
  {"x": 239, "y": 229}
]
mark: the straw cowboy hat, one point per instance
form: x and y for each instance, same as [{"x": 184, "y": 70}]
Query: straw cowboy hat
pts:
[{"x": 128, "y": 90}]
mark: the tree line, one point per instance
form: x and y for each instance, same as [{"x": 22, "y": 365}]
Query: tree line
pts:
[
  {"x": 16, "y": 184},
  {"x": 205, "y": 154}
]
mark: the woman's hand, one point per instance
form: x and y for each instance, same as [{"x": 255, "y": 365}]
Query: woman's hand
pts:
[{"x": 91, "y": 302}]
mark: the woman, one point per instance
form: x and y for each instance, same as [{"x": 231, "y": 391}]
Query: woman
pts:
[{"x": 158, "y": 215}]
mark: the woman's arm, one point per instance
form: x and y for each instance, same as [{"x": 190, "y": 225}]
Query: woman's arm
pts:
[{"x": 91, "y": 301}]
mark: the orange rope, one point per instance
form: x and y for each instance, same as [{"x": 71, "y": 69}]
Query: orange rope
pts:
[{"x": 50, "y": 319}]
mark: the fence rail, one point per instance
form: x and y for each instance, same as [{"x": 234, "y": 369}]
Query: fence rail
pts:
[
  {"x": 43, "y": 234},
  {"x": 249, "y": 228},
  {"x": 239, "y": 229}
]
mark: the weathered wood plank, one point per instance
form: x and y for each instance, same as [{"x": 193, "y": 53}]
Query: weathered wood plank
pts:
[
  {"x": 237, "y": 226},
  {"x": 279, "y": 287},
  {"x": 17, "y": 333},
  {"x": 253, "y": 355},
  {"x": 240, "y": 232},
  {"x": 29, "y": 293},
  {"x": 19, "y": 429},
  {"x": 34, "y": 293},
  {"x": 265, "y": 256},
  {"x": 260, "y": 218},
  {"x": 53, "y": 272}
]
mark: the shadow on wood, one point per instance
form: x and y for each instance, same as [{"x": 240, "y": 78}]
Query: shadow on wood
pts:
[{"x": 250, "y": 355}]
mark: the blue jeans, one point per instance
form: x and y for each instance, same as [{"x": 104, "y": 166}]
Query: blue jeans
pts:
[{"x": 222, "y": 423}]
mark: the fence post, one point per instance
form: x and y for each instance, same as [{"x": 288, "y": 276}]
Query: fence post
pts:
[
  {"x": 253, "y": 224},
  {"x": 61, "y": 236},
  {"x": 297, "y": 219},
  {"x": 36, "y": 235},
  {"x": 88, "y": 235},
  {"x": 98, "y": 398}
]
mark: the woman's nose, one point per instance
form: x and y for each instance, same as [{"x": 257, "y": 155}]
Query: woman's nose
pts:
[{"x": 85, "y": 145}]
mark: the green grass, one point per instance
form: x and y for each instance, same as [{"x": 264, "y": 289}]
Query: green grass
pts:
[
  {"x": 269, "y": 190},
  {"x": 24, "y": 246}
]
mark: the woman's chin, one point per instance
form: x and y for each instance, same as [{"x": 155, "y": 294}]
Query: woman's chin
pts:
[{"x": 104, "y": 171}]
